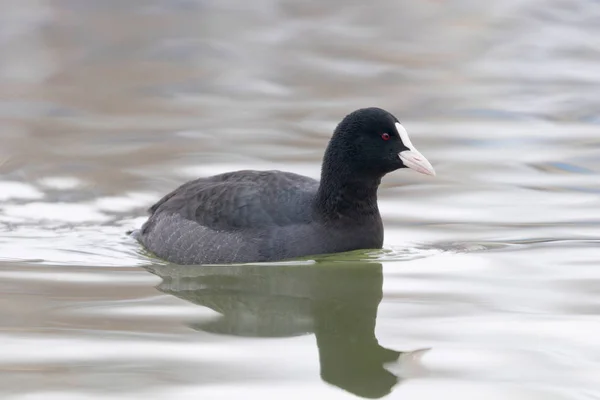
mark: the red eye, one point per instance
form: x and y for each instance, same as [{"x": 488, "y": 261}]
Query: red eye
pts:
[{"x": 385, "y": 136}]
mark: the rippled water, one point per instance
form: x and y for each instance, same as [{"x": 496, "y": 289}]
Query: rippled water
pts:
[{"x": 488, "y": 286}]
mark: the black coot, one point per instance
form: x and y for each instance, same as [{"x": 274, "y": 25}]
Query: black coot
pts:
[{"x": 252, "y": 216}]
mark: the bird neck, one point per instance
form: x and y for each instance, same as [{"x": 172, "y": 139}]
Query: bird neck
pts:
[{"x": 344, "y": 194}]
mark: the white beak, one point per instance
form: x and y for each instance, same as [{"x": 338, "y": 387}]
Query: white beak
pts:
[
  {"x": 412, "y": 158},
  {"x": 415, "y": 160}
]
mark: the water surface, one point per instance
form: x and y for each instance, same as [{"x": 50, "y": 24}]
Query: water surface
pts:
[{"x": 488, "y": 285}]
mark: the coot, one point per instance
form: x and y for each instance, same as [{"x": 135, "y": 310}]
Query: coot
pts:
[{"x": 254, "y": 216}]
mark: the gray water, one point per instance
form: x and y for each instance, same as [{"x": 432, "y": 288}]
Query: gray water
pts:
[{"x": 488, "y": 286}]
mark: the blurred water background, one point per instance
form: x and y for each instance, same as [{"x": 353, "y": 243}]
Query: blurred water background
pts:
[{"x": 489, "y": 283}]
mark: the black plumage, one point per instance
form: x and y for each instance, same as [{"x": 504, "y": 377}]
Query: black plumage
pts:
[{"x": 252, "y": 216}]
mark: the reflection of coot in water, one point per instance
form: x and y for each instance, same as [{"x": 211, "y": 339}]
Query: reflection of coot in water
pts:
[{"x": 336, "y": 301}]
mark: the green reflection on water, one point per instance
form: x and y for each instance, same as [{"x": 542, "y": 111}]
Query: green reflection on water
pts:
[{"x": 335, "y": 300}]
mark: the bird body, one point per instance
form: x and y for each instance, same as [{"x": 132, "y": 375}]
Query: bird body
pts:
[{"x": 256, "y": 216}]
